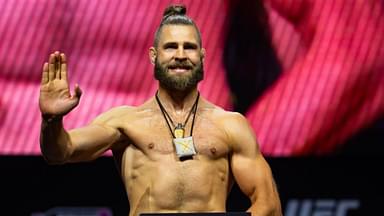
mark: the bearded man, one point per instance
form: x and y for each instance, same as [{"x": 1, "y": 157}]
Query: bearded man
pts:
[{"x": 177, "y": 152}]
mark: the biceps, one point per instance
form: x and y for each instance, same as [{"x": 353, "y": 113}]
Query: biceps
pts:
[
  {"x": 253, "y": 175},
  {"x": 92, "y": 141}
]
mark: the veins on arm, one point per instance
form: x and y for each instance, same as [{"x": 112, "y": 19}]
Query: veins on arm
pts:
[{"x": 250, "y": 170}]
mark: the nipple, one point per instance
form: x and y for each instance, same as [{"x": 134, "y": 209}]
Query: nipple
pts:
[{"x": 213, "y": 150}]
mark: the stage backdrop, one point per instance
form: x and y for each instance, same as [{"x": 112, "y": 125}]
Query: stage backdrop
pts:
[{"x": 307, "y": 74}]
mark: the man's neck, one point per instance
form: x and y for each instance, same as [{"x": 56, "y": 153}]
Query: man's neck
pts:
[{"x": 177, "y": 101}]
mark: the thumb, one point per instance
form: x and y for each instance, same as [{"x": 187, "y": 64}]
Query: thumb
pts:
[
  {"x": 78, "y": 92},
  {"x": 75, "y": 98}
]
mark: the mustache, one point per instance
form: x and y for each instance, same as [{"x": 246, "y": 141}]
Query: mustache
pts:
[{"x": 184, "y": 65}]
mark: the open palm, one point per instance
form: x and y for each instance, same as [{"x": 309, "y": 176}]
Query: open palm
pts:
[{"x": 55, "y": 96}]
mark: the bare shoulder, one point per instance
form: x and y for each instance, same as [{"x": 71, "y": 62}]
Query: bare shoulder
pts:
[
  {"x": 118, "y": 115},
  {"x": 225, "y": 118},
  {"x": 239, "y": 133},
  {"x": 232, "y": 123},
  {"x": 113, "y": 114}
]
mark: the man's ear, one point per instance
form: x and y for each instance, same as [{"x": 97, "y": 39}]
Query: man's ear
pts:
[
  {"x": 202, "y": 53},
  {"x": 152, "y": 55}
]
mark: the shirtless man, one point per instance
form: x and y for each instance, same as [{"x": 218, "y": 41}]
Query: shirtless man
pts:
[{"x": 162, "y": 167}]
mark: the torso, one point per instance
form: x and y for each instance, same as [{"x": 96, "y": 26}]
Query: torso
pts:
[{"x": 155, "y": 179}]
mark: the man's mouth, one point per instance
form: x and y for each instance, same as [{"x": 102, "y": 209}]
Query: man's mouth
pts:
[{"x": 179, "y": 69}]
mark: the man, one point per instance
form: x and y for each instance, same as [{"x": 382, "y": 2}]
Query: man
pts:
[{"x": 177, "y": 152}]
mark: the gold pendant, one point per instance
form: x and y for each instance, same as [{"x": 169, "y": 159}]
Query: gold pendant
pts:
[{"x": 179, "y": 131}]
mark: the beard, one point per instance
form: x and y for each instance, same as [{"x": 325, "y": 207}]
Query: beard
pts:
[{"x": 180, "y": 82}]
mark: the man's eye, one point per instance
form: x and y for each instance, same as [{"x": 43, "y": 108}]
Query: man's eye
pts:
[
  {"x": 189, "y": 47},
  {"x": 170, "y": 47}
]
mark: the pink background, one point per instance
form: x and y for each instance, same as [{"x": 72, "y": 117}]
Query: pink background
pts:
[{"x": 331, "y": 86}]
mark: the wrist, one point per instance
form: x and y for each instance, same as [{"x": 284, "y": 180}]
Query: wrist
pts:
[{"x": 51, "y": 118}]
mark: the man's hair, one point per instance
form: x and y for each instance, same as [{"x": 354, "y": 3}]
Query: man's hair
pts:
[{"x": 175, "y": 15}]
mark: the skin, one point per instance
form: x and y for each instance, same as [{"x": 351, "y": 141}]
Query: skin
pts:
[{"x": 155, "y": 179}]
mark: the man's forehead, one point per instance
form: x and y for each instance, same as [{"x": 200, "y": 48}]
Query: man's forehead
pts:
[{"x": 179, "y": 34}]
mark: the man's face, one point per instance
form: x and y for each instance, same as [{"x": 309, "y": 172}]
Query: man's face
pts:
[{"x": 178, "y": 58}]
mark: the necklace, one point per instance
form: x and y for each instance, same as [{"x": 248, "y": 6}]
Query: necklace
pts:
[{"x": 184, "y": 145}]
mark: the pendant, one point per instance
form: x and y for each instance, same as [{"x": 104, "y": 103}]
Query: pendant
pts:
[
  {"x": 184, "y": 147},
  {"x": 179, "y": 131}
]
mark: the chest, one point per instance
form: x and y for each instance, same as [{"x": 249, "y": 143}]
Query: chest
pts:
[{"x": 154, "y": 138}]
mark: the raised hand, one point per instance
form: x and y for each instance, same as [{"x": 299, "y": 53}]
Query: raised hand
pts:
[{"x": 55, "y": 97}]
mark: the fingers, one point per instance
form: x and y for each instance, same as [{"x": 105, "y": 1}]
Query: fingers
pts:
[
  {"x": 63, "y": 67},
  {"x": 57, "y": 66},
  {"x": 44, "y": 77},
  {"x": 51, "y": 67}
]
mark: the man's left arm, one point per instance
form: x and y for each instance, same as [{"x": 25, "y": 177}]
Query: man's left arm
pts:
[{"x": 250, "y": 170}]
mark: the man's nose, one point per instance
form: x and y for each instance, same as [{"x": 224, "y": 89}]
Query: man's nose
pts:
[{"x": 180, "y": 54}]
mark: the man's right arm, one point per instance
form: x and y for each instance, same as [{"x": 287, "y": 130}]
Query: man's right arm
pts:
[
  {"x": 54, "y": 140},
  {"x": 55, "y": 101},
  {"x": 82, "y": 144}
]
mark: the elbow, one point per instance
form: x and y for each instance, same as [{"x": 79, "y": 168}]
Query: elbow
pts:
[
  {"x": 53, "y": 161},
  {"x": 54, "y": 158},
  {"x": 277, "y": 212},
  {"x": 267, "y": 208},
  {"x": 275, "y": 209}
]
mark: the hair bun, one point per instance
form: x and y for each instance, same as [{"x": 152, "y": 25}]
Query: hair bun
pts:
[{"x": 173, "y": 10}]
